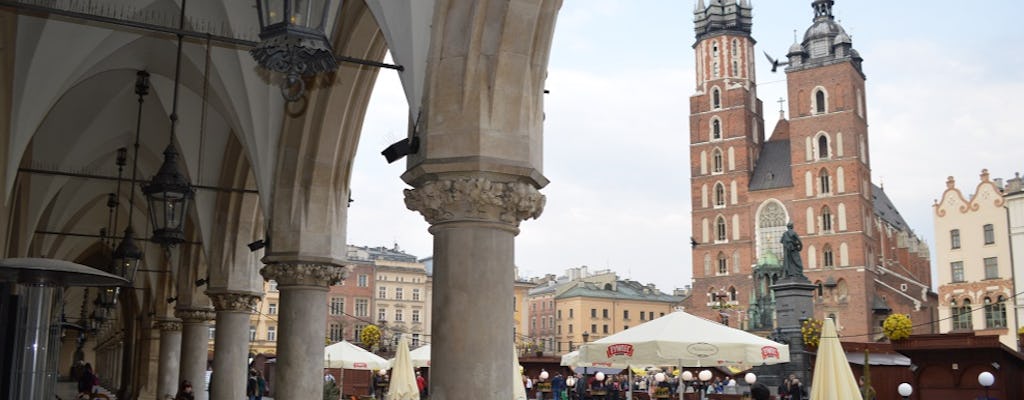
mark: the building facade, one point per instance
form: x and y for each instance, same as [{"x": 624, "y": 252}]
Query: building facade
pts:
[
  {"x": 348, "y": 304},
  {"x": 973, "y": 254},
  {"x": 814, "y": 171},
  {"x": 587, "y": 310}
]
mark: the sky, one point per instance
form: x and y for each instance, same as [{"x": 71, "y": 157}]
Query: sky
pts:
[{"x": 944, "y": 85}]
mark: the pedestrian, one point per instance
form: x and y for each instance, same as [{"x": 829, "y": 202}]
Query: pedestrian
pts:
[
  {"x": 558, "y": 386},
  {"x": 252, "y": 385},
  {"x": 421, "y": 384},
  {"x": 784, "y": 390},
  {"x": 261, "y": 385},
  {"x": 86, "y": 381},
  {"x": 796, "y": 389},
  {"x": 759, "y": 391},
  {"x": 185, "y": 391}
]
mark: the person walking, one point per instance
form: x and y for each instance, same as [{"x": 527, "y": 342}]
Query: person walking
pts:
[
  {"x": 86, "y": 381},
  {"x": 261, "y": 385},
  {"x": 558, "y": 386},
  {"x": 421, "y": 384},
  {"x": 252, "y": 385}
]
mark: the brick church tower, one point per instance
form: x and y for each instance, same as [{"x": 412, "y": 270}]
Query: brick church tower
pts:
[{"x": 813, "y": 171}]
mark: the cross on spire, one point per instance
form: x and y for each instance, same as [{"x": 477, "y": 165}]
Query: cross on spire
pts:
[{"x": 782, "y": 109}]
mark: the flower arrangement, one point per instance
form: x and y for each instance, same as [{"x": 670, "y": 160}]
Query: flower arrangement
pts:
[
  {"x": 897, "y": 327},
  {"x": 370, "y": 336},
  {"x": 811, "y": 330}
]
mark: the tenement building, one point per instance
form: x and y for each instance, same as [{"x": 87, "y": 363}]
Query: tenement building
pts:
[
  {"x": 975, "y": 260},
  {"x": 814, "y": 171}
]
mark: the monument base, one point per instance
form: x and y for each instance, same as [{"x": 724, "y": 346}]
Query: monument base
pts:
[{"x": 794, "y": 303}]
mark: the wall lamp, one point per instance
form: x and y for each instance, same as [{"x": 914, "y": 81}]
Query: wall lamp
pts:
[
  {"x": 259, "y": 244},
  {"x": 401, "y": 149}
]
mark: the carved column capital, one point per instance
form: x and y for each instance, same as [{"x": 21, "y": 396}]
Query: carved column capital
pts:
[
  {"x": 230, "y": 301},
  {"x": 195, "y": 315},
  {"x": 167, "y": 325},
  {"x": 304, "y": 274},
  {"x": 475, "y": 199}
]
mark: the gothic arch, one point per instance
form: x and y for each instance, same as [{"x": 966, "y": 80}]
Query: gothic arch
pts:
[{"x": 771, "y": 218}]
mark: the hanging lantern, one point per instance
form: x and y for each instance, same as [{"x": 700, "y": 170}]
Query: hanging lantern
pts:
[
  {"x": 127, "y": 256},
  {"x": 107, "y": 297},
  {"x": 169, "y": 195},
  {"x": 293, "y": 41}
]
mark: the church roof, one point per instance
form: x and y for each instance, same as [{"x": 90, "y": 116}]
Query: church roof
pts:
[
  {"x": 885, "y": 210},
  {"x": 773, "y": 169}
]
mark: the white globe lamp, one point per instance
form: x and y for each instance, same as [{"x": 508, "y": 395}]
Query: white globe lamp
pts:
[
  {"x": 687, "y": 376},
  {"x": 660, "y": 377},
  {"x": 704, "y": 375},
  {"x": 905, "y": 390},
  {"x": 750, "y": 378},
  {"x": 599, "y": 376},
  {"x": 543, "y": 375}
]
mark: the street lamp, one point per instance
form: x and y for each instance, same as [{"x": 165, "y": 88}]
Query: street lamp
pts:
[
  {"x": 986, "y": 379},
  {"x": 750, "y": 378},
  {"x": 905, "y": 390},
  {"x": 293, "y": 42},
  {"x": 586, "y": 337}
]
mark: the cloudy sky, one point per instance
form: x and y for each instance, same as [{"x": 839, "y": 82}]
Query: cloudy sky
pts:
[{"x": 944, "y": 87}]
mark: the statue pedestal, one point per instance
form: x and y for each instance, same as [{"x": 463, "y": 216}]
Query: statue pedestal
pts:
[{"x": 794, "y": 302}]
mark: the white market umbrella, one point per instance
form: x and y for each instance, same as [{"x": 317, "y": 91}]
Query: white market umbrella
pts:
[
  {"x": 833, "y": 378},
  {"x": 347, "y": 355},
  {"x": 420, "y": 357},
  {"x": 684, "y": 340},
  {"x": 518, "y": 388},
  {"x": 403, "y": 376}
]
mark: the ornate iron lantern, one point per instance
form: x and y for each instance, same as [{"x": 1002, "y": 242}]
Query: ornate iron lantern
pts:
[
  {"x": 127, "y": 256},
  {"x": 293, "y": 41},
  {"x": 169, "y": 195}
]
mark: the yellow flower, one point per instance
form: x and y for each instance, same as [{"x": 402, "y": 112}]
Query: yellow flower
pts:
[{"x": 897, "y": 327}]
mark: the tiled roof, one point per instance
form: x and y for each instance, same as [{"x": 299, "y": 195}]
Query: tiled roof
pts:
[
  {"x": 773, "y": 169},
  {"x": 626, "y": 290},
  {"x": 885, "y": 210}
]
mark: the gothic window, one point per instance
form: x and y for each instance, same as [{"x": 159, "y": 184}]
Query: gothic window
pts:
[
  {"x": 771, "y": 224},
  {"x": 714, "y": 49},
  {"x": 735, "y": 68},
  {"x": 733, "y": 296},
  {"x": 735, "y": 47},
  {"x": 716, "y": 129},
  {"x": 716, "y": 98},
  {"x": 716, "y": 161},
  {"x": 723, "y": 264},
  {"x": 995, "y": 313},
  {"x": 826, "y": 219},
  {"x": 954, "y": 239},
  {"x": 720, "y": 229},
  {"x": 819, "y": 101},
  {"x": 822, "y": 146},
  {"x": 824, "y": 184},
  {"x": 827, "y": 257},
  {"x": 719, "y": 195}
]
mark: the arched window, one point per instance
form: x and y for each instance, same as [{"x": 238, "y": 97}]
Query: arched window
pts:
[
  {"x": 824, "y": 182},
  {"x": 962, "y": 315},
  {"x": 714, "y": 49},
  {"x": 771, "y": 224},
  {"x": 719, "y": 195},
  {"x": 716, "y": 98},
  {"x": 822, "y": 146},
  {"x": 720, "y": 232},
  {"x": 819, "y": 101},
  {"x": 827, "y": 258},
  {"x": 716, "y": 129},
  {"x": 732, "y": 294},
  {"x": 995, "y": 313},
  {"x": 723, "y": 264},
  {"x": 826, "y": 219},
  {"x": 735, "y": 47},
  {"x": 735, "y": 68},
  {"x": 819, "y": 293},
  {"x": 716, "y": 161}
]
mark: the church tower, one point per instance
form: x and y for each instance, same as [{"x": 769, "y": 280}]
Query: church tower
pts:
[
  {"x": 829, "y": 146},
  {"x": 726, "y": 129}
]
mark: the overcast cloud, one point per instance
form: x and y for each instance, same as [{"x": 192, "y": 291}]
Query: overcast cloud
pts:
[{"x": 943, "y": 93}]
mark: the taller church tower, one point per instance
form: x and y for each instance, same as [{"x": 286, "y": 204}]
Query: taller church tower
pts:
[{"x": 726, "y": 128}]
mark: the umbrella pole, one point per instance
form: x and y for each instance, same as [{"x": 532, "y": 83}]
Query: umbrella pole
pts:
[{"x": 629, "y": 384}]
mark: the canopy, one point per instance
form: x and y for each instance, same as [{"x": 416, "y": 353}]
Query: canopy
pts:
[
  {"x": 833, "y": 378},
  {"x": 403, "y": 376},
  {"x": 684, "y": 340},
  {"x": 347, "y": 355},
  {"x": 571, "y": 360}
]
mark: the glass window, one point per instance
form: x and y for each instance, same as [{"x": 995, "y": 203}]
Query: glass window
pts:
[
  {"x": 720, "y": 230},
  {"x": 827, "y": 256},
  {"x": 415, "y": 340},
  {"x": 604, "y": 313},
  {"x": 995, "y": 313},
  {"x": 625, "y": 314},
  {"x": 593, "y": 313},
  {"x": 822, "y": 146},
  {"x": 337, "y": 305},
  {"x": 819, "y": 100},
  {"x": 362, "y": 281},
  {"x": 962, "y": 316},
  {"x": 399, "y": 315},
  {"x": 382, "y": 314},
  {"x": 723, "y": 267},
  {"x": 559, "y": 312},
  {"x": 991, "y": 268},
  {"x": 272, "y": 333},
  {"x": 358, "y": 333},
  {"x": 716, "y": 129},
  {"x": 362, "y": 308},
  {"x": 716, "y": 98},
  {"x": 719, "y": 196},
  {"x": 570, "y": 313},
  {"x": 415, "y": 315},
  {"x": 213, "y": 333},
  {"x": 826, "y": 219},
  {"x": 273, "y": 285},
  {"x": 398, "y": 293},
  {"x": 957, "y": 271},
  {"x": 334, "y": 332},
  {"x": 716, "y": 158},
  {"x": 642, "y": 314},
  {"x": 954, "y": 239},
  {"x": 593, "y": 328},
  {"x": 823, "y": 178},
  {"x": 416, "y": 296},
  {"x": 604, "y": 328},
  {"x": 382, "y": 292},
  {"x": 272, "y": 308},
  {"x": 990, "y": 234},
  {"x": 252, "y": 333}
]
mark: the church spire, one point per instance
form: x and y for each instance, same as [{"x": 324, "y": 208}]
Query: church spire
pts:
[{"x": 823, "y": 9}]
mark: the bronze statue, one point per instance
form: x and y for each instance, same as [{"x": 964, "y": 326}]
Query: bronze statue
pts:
[{"x": 792, "y": 266}]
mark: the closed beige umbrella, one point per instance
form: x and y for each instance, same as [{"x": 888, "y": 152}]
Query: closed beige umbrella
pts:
[
  {"x": 518, "y": 390},
  {"x": 403, "y": 377},
  {"x": 833, "y": 379}
]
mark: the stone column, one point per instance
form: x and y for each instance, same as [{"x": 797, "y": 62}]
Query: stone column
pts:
[
  {"x": 231, "y": 344},
  {"x": 474, "y": 219},
  {"x": 302, "y": 324},
  {"x": 195, "y": 333},
  {"x": 170, "y": 357}
]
